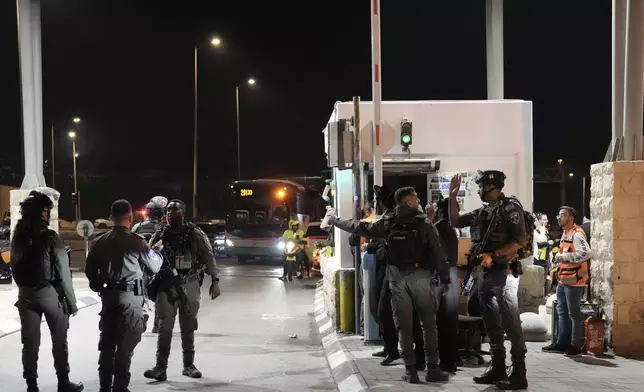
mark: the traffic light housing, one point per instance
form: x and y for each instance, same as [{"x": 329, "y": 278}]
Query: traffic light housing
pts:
[
  {"x": 73, "y": 198},
  {"x": 405, "y": 134}
]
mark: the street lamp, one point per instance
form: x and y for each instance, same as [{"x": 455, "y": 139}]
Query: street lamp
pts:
[
  {"x": 571, "y": 174},
  {"x": 215, "y": 42},
  {"x": 75, "y": 120},
  {"x": 250, "y": 82},
  {"x": 72, "y": 135}
]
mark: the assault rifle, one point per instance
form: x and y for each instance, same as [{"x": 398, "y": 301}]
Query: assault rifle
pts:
[
  {"x": 168, "y": 278},
  {"x": 475, "y": 257}
]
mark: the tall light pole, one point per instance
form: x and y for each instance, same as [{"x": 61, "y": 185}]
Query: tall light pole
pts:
[
  {"x": 250, "y": 82},
  {"x": 215, "y": 42},
  {"x": 563, "y": 181},
  {"x": 72, "y": 135},
  {"x": 75, "y": 120}
]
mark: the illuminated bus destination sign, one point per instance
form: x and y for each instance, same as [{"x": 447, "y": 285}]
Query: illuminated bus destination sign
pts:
[{"x": 245, "y": 192}]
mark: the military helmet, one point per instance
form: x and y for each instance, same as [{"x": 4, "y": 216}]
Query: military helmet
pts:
[
  {"x": 156, "y": 206},
  {"x": 35, "y": 204},
  {"x": 492, "y": 177}
]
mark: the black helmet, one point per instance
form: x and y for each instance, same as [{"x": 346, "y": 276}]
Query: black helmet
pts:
[
  {"x": 34, "y": 205},
  {"x": 492, "y": 177}
]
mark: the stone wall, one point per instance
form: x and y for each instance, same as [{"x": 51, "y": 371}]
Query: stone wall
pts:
[{"x": 617, "y": 240}]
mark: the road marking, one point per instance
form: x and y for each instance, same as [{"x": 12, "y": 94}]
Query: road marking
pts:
[
  {"x": 326, "y": 327},
  {"x": 351, "y": 384},
  {"x": 281, "y": 318},
  {"x": 320, "y": 318},
  {"x": 336, "y": 359}
]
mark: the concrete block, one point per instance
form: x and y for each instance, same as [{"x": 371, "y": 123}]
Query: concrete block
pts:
[
  {"x": 534, "y": 328},
  {"x": 531, "y": 288}
]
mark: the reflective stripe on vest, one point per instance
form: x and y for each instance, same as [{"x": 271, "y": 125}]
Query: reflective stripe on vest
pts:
[{"x": 572, "y": 274}]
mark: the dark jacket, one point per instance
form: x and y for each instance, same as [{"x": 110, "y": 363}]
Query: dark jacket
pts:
[
  {"x": 450, "y": 240},
  {"x": 199, "y": 245},
  {"x": 120, "y": 256},
  {"x": 380, "y": 228},
  {"x": 52, "y": 254}
]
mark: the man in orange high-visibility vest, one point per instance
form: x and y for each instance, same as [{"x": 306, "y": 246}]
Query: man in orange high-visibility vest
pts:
[{"x": 572, "y": 274}]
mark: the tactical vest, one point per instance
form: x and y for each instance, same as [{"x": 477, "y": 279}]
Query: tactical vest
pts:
[
  {"x": 180, "y": 250},
  {"x": 32, "y": 267}
]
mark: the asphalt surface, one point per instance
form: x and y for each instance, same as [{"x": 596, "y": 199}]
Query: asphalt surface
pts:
[{"x": 243, "y": 343}]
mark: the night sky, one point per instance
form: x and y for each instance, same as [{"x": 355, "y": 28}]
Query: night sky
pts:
[{"x": 126, "y": 68}]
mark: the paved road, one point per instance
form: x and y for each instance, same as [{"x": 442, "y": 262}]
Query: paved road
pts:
[{"x": 243, "y": 342}]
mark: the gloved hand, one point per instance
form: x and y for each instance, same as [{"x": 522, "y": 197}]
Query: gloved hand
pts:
[
  {"x": 551, "y": 242},
  {"x": 327, "y": 222},
  {"x": 214, "y": 290}
]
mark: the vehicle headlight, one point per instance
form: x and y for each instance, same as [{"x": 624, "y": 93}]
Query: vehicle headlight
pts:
[
  {"x": 289, "y": 246},
  {"x": 229, "y": 243},
  {"x": 220, "y": 242},
  {"x": 280, "y": 245}
]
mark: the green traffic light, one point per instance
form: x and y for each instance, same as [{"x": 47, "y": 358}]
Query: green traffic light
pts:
[{"x": 406, "y": 138}]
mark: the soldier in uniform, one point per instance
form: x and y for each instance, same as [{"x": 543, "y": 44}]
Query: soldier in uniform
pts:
[
  {"x": 40, "y": 267},
  {"x": 116, "y": 267},
  {"x": 155, "y": 210},
  {"x": 187, "y": 251},
  {"x": 506, "y": 237}
]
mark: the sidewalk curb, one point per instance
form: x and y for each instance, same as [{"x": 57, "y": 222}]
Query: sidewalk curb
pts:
[
  {"x": 343, "y": 368},
  {"x": 12, "y": 325}
]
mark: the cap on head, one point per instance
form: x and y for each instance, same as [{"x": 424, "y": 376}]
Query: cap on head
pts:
[
  {"x": 492, "y": 177},
  {"x": 120, "y": 209}
]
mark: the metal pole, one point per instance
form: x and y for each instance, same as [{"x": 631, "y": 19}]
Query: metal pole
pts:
[
  {"x": 634, "y": 81},
  {"x": 618, "y": 67},
  {"x": 357, "y": 198},
  {"x": 76, "y": 212},
  {"x": 583, "y": 195},
  {"x": 562, "y": 174},
  {"x": 377, "y": 91},
  {"x": 494, "y": 48},
  {"x": 194, "y": 148},
  {"x": 238, "y": 136},
  {"x": 53, "y": 159}
]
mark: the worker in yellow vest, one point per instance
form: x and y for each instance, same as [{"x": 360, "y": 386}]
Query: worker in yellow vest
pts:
[
  {"x": 572, "y": 274},
  {"x": 292, "y": 233}
]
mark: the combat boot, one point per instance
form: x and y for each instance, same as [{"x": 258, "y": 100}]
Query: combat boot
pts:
[
  {"x": 70, "y": 387},
  {"x": 411, "y": 375},
  {"x": 189, "y": 369},
  {"x": 32, "y": 385},
  {"x": 517, "y": 379},
  {"x": 156, "y": 373},
  {"x": 493, "y": 374},
  {"x": 435, "y": 374},
  {"x": 105, "y": 381}
]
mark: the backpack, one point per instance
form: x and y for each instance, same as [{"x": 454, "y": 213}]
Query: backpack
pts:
[
  {"x": 405, "y": 243},
  {"x": 530, "y": 225}
]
